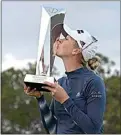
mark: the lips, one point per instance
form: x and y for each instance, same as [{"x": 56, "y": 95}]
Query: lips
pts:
[{"x": 57, "y": 46}]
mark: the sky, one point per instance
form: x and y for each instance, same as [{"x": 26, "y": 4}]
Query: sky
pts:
[{"x": 21, "y": 26}]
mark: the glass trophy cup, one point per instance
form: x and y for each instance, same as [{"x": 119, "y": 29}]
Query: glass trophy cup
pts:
[{"x": 50, "y": 28}]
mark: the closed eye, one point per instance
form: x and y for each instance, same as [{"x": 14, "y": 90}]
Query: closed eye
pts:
[
  {"x": 66, "y": 38},
  {"x": 61, "y": 36}
]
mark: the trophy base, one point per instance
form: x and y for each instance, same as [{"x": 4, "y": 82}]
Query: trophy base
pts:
[{"x": 37, "y": 81}]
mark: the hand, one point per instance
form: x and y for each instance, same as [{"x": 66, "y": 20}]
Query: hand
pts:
[
  {"x": 57, "y": 91},
  {"x": 32, "y": 92}
]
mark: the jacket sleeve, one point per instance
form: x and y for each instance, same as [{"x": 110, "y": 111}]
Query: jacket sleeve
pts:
[
  {"x": 90, "y": 122},
  {"x": 51, "y": 107},
  {"x": 47, "y": 115}
]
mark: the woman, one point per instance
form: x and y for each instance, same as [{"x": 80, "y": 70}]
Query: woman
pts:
[{"x": 79, "y": 98}]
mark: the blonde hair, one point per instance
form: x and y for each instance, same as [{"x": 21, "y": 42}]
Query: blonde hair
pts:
[{"x": 94, "y": 63}]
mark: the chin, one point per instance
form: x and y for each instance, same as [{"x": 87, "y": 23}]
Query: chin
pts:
[{"x": 59, "y": 55}]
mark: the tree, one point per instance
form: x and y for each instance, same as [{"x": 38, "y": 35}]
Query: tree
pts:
[
  {"x": 112, "y": 120},
  {"x": 112, "y": 114},
  {"x": 20, "y": 113},
  {"x": 106, "y": 65}
]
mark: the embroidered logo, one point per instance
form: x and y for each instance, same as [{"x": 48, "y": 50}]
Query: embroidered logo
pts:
[
  {"x": 96, "y": 94},
  {"x": 78, "y": 94}
]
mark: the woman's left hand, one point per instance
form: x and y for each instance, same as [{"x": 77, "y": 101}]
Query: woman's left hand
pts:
[{"x": 57, "y": 91}]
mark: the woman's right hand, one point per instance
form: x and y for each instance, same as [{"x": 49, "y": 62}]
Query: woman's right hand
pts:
[{"x": 32, "y": 92}]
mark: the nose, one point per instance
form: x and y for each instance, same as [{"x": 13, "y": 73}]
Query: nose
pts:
[{"x": 59, "y": 40}]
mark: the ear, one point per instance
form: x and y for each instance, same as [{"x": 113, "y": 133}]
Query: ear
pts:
[{"x": 76, "y": 51}]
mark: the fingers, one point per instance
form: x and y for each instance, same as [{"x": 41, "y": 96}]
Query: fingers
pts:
[
  {"x": 28, "y": 89},
  {"x": 49, "y": 88},
  {"x": 50, "y": 84},
  {"x": 32, "y": 91},
  {"x": 25, "y": 87},
  {"x": 52, "y": 93}
]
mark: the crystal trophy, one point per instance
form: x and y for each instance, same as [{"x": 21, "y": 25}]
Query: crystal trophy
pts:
[{"x": 50, "y": 28}]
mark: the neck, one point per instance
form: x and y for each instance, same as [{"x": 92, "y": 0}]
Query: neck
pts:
[{"x": 71, "y": 64}]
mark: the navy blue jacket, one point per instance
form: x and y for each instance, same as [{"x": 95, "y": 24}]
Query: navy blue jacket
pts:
[{"x": 83, "y": 112}]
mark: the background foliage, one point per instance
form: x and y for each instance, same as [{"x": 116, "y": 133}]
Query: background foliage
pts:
[{"x": 20, "y": 113}]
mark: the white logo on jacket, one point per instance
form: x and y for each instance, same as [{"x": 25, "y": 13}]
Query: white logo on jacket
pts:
[{"x": 78, "y": 94}]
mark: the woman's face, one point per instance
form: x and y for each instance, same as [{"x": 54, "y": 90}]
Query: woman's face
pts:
[{"x": 64, "y": 47}]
